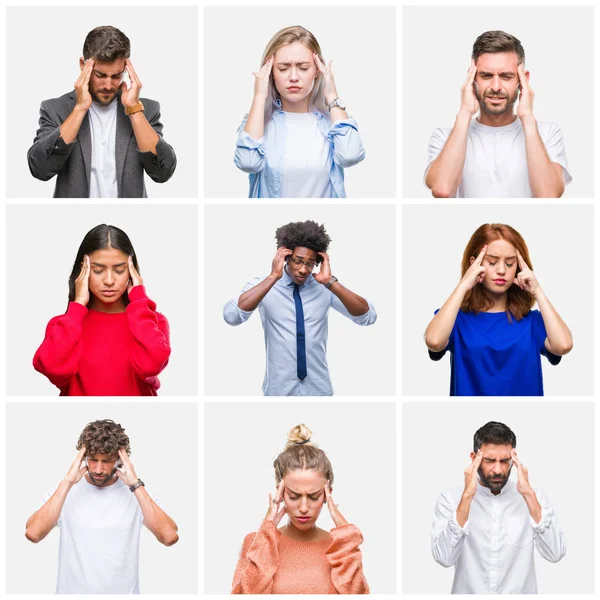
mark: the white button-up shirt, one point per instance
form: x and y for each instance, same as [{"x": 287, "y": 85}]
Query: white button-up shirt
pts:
[{"x": 493, "y": 552}]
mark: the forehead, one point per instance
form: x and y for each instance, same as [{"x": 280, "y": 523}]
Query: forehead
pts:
[
  {"x": 108, "y": 457},
  {"x": 306, "y": 481},
  {"x": 295, "y": 52},
  {"x": 501, "y": 248},
  {"x": 496, "y": 451},
  {"x": 108, "y": 256},
  {"x": 110, "y": 68},
  {"x": 305, "y": 253},
  {"x": 498, "y": 62}
]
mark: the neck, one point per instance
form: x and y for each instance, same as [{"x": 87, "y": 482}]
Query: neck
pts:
[
  {"x": 106, "y": 307},
  {"x": 496, "y": 120},
  {"x": 295, "y": 107},
  {"x": 499, "y": 301}
]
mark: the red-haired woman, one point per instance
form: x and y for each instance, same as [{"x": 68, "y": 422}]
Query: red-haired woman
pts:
[{"x": 495, "y": 338}]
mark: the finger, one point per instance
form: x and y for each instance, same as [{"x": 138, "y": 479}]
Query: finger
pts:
[
  {"x": 478, "y": 459},
  {"x": 87, "y": 71},
  {"x": 269, "y": 64},
  {"x": 279, "y": 493},
  {"x": 480, "y": 256},
  {"x": 521, "y": 261},
  {"x": 329, "y": 65},
  {"x": 318, "y": 62},
  {"x": 521, "y": 72},
  {"x": 129, "y": 68}
]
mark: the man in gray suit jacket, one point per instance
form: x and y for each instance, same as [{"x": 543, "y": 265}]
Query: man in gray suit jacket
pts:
[{"x": 100, "y": 138}]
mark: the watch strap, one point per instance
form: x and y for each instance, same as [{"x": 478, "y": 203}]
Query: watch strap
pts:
[
  {"x": 136, "y": 485},
  {"x": 131, "y": 110},
  {"x": 331, "y": 281},
  {"x": 336, "y": 102}
]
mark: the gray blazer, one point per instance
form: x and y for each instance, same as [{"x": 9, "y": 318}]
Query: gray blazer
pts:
[{"x": 50, "y": 155}]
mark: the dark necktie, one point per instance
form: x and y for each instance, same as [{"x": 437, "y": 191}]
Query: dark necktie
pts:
[{"x": 300, "y": 337}]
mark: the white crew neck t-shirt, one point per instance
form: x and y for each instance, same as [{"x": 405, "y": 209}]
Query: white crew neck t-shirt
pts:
[
  {"x": 495, "y": 163},
  {"x": 306, "y": 164},
  {"x": 103, "y": 127},
  {"x": 99, "y": 540}
]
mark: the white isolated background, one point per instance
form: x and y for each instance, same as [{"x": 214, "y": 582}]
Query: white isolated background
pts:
[
  {"x": 41, "y": 440},
  {"x": 361, "y": 41},
  {"x": 360, "y": 442},
  {"x": 554, "y": 441},
  {"x": 558, "y": 43},
  {"x": 40, "y": 257},
  {"x": 240, "y": 245},
  {"x": 560, "y": 239},
  {"x": 43, "y": 49}
]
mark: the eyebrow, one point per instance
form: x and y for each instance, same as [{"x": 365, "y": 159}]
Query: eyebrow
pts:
[
  {"x": 96, "y": 264},
  {"x": 494, "y": 459},
  {"x": 497, "y": 257},
  {"x": 287, "y": 64},
  {"x": 299, "y": 494},
  {"x": 102, "y": 74},
  {"x": 502, "y": 74}
]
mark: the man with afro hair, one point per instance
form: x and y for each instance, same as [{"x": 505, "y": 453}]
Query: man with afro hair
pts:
[
  {"x": 100, "y": 507},
  {"x": 294, "y": 302}
]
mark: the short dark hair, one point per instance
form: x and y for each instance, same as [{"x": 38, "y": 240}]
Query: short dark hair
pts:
[
  {"x": 103, "y": 437},
  {"x": 494, "y": 433},
  {"x": 106, "y": 44},
  {"x": 497, "y": 41},
  {"x": 304, "y": 234}
]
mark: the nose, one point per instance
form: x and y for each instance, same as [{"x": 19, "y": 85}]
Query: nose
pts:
[
  {"x": 294, "y": 74},
  {"x": 496, "y": 85},
  {"x": 303, "y": 270},
  {"x": 500, "y": 268},
  {"x": 109, "y": 278},
  {"x": 303, "y": 506}
]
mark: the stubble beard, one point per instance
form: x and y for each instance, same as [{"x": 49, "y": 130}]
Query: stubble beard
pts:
[
  {"x": 495, "y": 486},
  {"x": 499, "y": 110}
]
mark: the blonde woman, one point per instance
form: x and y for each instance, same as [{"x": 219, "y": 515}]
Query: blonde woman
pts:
[
  {"x": 297, "y": 138},
  {"x": 299, "y": 557}
]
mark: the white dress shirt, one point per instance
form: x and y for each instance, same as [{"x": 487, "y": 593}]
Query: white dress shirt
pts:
[
  {"x": 493, "y": 552},
  {"x": 278, "y": 314}
]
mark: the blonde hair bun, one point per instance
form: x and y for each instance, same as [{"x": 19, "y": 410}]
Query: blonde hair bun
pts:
[{"x": 300, "y": 434}]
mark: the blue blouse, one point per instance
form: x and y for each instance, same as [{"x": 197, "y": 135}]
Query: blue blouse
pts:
[
  {"x": 491, "y": 357},
  {"x": 263, "y": 159}
]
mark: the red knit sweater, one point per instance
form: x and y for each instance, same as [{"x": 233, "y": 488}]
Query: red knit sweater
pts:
[
  {"x": 271, "y": 563},
  {"x": 91, "y": 353}
]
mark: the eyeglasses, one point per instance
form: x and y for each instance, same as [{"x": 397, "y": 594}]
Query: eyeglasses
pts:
[{"x": 299, "y": 261}]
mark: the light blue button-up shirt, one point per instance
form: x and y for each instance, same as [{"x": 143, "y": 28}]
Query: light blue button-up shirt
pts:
[
  {"x": 263, "y": 159},
  {"x": 278, "y": 315}
]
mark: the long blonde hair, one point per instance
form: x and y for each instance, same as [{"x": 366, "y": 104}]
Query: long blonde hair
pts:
[{"x": 283, "y": 37}]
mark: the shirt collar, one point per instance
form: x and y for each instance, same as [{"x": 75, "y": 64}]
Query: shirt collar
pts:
[{"x": 279, "y": 107}]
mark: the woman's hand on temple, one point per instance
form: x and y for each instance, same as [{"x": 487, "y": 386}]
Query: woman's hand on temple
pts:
[
  {"x": 261, "y": 79},
  {"x": 475, "y": 273},
  {"x": 275, "y": 514},
  {"x": 82, "y": 283},
  {"x": 134, "y": 277},
  {"x": 526, "y": 278},
  {"x": 329, "y": 89},
  {"x": 336, "y": 515}
]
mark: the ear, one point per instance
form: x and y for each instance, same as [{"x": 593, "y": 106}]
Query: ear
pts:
[
  {"x": 527, "y": 75},
  {"x": 472, "y": 455},
  {"x": 472, "y": 260},
  {"x": 81, "y": 63}
]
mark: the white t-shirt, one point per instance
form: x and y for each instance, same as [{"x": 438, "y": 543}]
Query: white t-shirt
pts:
[
  {"x": 99, "y": 540},
  {"x": 306, "y": 164},
  {"x": 495, "y": 163},
  {"x": 103, "y": 127}
]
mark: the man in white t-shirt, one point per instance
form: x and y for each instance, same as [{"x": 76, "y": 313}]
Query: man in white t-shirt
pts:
[
  {"x": 100, "y": 507},
  {"x": 500, "y": 153}
]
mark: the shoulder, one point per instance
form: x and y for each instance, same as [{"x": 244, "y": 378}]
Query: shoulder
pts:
[
  {"x": 548, "y": 130},
  {"x": 161, "y": 318},
  {"x": 62, "y": 102},
  {"x": 439, "y": 135}
]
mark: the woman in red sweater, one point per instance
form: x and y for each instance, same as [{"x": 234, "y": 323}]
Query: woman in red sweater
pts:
[
  {"x": 301, "y": 558},
  {"x": 111, "y": 341}
]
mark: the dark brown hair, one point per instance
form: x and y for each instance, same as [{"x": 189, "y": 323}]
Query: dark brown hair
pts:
[
  {"x": 497, "y": 41},
  {"x": 103, "y": 437},
  {"x": 301, "y": 453},
  {"x": 518, "y": 301},
  {"x": 106, "y": 44}
]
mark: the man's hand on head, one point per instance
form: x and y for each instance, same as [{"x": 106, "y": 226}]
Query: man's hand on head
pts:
[
  {"x": 77, "y": 469},
  {"x": 468, "y": 99},
  {"x": 525, "y": 106},
  {"x": 82, "y": 86},
  {"x": 278, "y": 263},
  {"x": 130, "y": 96},
  {"x": 128, "y": 475},
  {"x": 324, "y": 274},
  {"x": 523, "y": 486}
]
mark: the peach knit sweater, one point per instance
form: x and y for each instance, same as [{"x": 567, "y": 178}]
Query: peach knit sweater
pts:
[{"x": 271, "y": 563}]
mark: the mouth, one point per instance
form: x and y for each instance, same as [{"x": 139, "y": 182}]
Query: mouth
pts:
[
  {"x": 495, "y": 99},
  {"x": 294, "y": 88},
  {"x": 108, "y": 293},
  {"x": 303, "y": 519},
  {"x": 500, "y": 281}
]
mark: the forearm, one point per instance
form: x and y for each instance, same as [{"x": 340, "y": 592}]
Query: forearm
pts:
[
  {"x": 336, "y": 113},
  {"x": 356, "y": 305},
  {"x": 250, "y": 299},
  {"x": 41, "y": 523},
  {"x": 446, "y": 171},
  {"x": 464, "y": 507},
  {"x": 255, "y": 125},
  {"x": 439, "y": 329},
  {"x": 560, "y": 340},
  {"x": 70, "y": 127},
  {"x": 156, "y": 519},
  {"x": 545, "y": 180},
  {"x": 145, "y": 136},
  {"x": 534, "y": 507}
]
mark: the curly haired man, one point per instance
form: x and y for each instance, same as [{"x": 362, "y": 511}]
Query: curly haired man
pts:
[
  {"x": 294, "y": 304},
  {"x": 100, "y": 506}
]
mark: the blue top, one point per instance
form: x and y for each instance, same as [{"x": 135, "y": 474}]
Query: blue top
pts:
[
  {"x": 278, "y": 315},
  {"x": 263, "y": 159},
  {"x": 492, "y": 357}
]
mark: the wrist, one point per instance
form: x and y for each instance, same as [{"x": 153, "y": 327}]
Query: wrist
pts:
[
  {"x": 330, "y": 97},
  {"x": 81, "y": 109},
  {"x": 468, "y": 495},
  {"x": 81, "y": 301},
  {"x": 275, "y": 276},
  {"x": 464, "y": 115},
  {"x": 528, "y": 122}
]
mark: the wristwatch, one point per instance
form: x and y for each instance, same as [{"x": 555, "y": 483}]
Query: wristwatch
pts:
[
  {"x": 337, "y": 102},
  {"x": 136, "y": 485},
  {"x": 331, "y": 281},
  {"x": 131, "y": 110}
]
